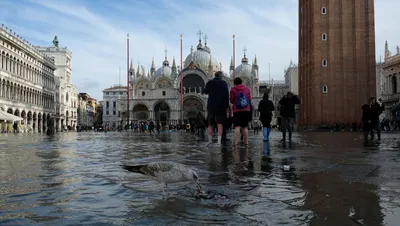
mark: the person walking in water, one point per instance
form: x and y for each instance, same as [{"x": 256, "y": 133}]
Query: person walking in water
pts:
[
  {"x": 266, "y": 107},
  {"x": 368, "y": 119},
  {"x": 241, "y": 100},
  {"x": 217, "y": 105},
  {"x": 288, "y": 114}
]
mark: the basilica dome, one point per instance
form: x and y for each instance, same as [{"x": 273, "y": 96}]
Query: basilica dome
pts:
[
  {"x": 244, "y": 69},
  {"x": 201, "y": 57},
  {"x": 163, "y": 71}
]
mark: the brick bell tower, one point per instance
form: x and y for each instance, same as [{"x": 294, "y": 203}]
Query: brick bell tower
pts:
[{"x": 336, "y": 60}]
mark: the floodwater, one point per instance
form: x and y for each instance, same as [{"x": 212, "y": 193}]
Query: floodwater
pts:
[{"x": 76, "y": 178}]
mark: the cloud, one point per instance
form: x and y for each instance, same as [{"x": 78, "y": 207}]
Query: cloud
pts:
[{"x": 95, "y": 32}]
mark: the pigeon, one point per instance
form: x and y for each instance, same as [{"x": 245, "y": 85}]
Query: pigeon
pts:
[{"x": 166, "y": 172}]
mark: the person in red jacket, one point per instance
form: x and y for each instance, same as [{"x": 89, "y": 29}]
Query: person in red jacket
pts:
[{"x": 240, "y": 98}]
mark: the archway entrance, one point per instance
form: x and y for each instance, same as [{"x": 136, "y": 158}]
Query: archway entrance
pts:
[
  {"x": 44, "y": 125},
  {"x": 23, "y": 115},
  {"x": 140, "y": 112},
  {"x": 161, "y": 112},
  {"x": 66, "y": 118},
  {"x": 34, "y": 121},
  {"x": 29, "y": 121},
  {"x": 39, "y": 118},
  {"x": 193, "y": 83},
  {"x": 10, "y": 111},
  {"x": 191, "y": 107}
]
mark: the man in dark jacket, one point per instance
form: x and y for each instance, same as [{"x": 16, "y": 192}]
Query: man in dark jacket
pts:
[
  {"x": 368, "y": 119},
  {"x": 288, "y": 113},
  {"x": 218, "y": 103}
]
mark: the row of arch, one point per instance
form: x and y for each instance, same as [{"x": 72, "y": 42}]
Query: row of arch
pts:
[
  {"x": 38, "y": 120},
  {"x": 162, "y": 111},
  {"x": 13, "y": 91},
  {"x": 11, "y": 64}
]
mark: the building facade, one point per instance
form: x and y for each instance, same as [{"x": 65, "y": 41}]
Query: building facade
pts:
[
  {"x": 155, "y": 94},
  {"x": 292, "y": 78},
  {"x": 66, "y": 116},
  {"x": 114, "y": 105},
  {"x": 27, "y": 82},
  {"x": 86, "y": 110},
  {"x": 391, "y": 78},
  {"x": 336, "y": 60}
]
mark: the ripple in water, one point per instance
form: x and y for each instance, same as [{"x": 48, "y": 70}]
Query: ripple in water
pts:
[{"x": 75, "y": 178}]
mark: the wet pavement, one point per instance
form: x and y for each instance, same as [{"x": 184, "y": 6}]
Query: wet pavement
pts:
[{"x": 76, "y": 178}]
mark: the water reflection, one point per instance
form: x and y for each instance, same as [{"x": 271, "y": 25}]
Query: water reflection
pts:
[{"x": 75, "y": 178}]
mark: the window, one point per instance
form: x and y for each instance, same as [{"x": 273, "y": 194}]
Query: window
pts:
[
  {"x": 143, "y": 93},
  {"x": 324, "y": 36},
  {"x": 163, "y": 93},
  {"x": 107, "y": 104},
  {"x": 324, "y": 89},
  {"x": 114, "y": 93},
  {"x": 323, "y": 10},
  {"x": 324, "y": 63},
  {"x": 107, "y": 112},
  {"x": 114, "y": 104},
  {"x": 120, "y": 93},
  {"x": 114, "y": 112},
  {"x": 107, "y": 93}
]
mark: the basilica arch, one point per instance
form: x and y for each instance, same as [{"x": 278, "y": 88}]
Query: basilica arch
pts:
[
  {"x": 191, "y": 107},
  {"x": 162, "y": 111},
  {"x": 193, "y": 78},
  {"x": 140, "y": 112}
]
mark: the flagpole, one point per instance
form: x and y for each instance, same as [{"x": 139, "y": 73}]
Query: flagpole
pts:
[
  {"x": 234, "y": 58},
  {"x": 127, "y": 67},
  {"x": 181, "y": 87}
]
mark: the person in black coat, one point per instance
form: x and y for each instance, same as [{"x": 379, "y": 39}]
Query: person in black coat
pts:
[
  {"x": 266, "y": 107},
  {"x": 288, "y": 113},
  {"x": 217, "y": 104},
  {"x": 369, "y": 113}
]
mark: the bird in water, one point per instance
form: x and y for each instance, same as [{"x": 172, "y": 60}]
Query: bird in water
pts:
[{"x": 165, "y": 173}]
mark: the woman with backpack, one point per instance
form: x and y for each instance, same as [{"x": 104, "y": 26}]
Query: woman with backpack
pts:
[
  {"x": 266, "y": 107},
  {"x": 240, "y": 98}
]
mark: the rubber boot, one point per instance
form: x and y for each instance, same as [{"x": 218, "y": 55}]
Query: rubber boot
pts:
[
  {"x": 378, "y": 132},
  {"x": 284, "y": 136},
  {"x": 290, "y": 135},
  {"x": 265, "y": 133},
  {"x": 268, "y": 132}
]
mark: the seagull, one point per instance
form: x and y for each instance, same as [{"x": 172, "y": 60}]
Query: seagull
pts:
[{"x": 166, "y": 172}]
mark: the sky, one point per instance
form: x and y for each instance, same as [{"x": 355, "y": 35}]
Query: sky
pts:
[{"x": 95, "y": 32}]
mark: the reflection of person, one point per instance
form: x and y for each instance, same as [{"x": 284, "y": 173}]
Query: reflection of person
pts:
[
  {"x": 288, "y": 113},
  {"x": 266, "y": 107},
  {"x": 218, "y": 102},
  {"x": 241, "y": 101}
]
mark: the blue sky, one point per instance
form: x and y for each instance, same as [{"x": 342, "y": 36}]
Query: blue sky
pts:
[{"x": 95, "y": 31}]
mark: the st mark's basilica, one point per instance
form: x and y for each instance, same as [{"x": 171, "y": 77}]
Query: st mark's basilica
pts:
[{"x": 156, "y": 94}]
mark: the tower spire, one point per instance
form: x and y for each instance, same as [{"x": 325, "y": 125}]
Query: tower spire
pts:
[
  {"x": 153, "y": 66},
  {"x": 173, "y": 62},
  {"x": 244, "y": 51},
  {"x": 200, "y": 33},
  {"x": 166, "y": 53}
]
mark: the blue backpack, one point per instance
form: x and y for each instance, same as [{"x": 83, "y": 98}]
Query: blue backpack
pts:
[{"x": 242, "y": 101}]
